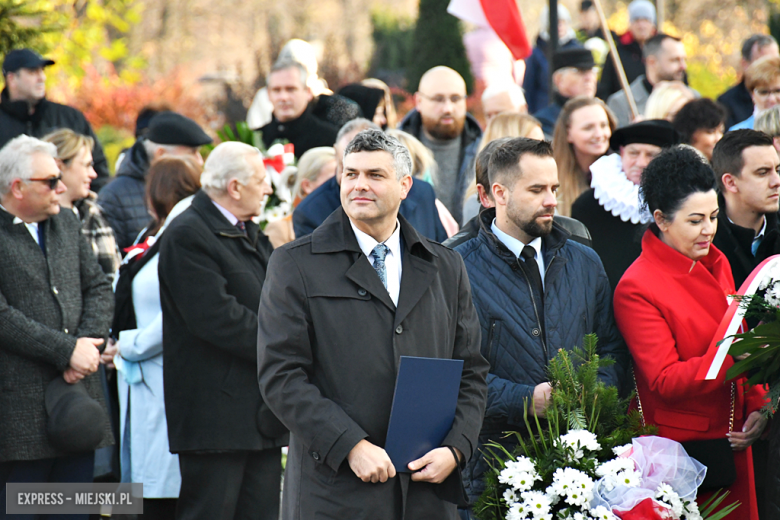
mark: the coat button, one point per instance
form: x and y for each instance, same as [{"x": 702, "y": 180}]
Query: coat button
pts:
[
  {"x": 362, "y": 292},
  {"x": 399, "y": 329},
  {"x": 315, "y": 455},
  {"x": 535, "y": 332},
  {"x": 54, "y": 290}
]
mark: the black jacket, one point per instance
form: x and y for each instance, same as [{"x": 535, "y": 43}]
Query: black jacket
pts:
[
  {"x": 305, "y": 133},
  {"x": 617, "y": 243},
  {"x": 211, "y": 276},
  {"x": 470, "y": 139},
  {"x": 15, "y": 120},
  {"x": 630, "y": 54},
  {"x": 738, "y": 103},
  {"x": 578, "y": 231},
  {"x": 123, "y": 200},
  {"x": 329, "y": 343},
  {"x": 735, "y": 242},
  {"x": 577, "y": 301}
]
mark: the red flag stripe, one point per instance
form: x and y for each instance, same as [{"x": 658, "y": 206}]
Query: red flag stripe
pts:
[{"x": 504, "y": 17}]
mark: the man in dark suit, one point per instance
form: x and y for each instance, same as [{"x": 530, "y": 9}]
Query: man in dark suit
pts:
[
  {"x": 212, "y": 267},
  {"x": 55, "y": 309},
  {"x": 419, "y": 207},
  {"x": 329, "y": 348}
]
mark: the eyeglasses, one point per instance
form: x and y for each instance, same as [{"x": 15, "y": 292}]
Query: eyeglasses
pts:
[
  {"x": 51, "y": 181},
  {"x": 440, "y": 99},
  {"x": 765, "y": 92}
]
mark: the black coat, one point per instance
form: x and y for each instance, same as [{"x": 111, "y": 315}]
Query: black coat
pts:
[
  {"x": 617, "y": 243},
  {"x": 738, "y": 103},
  {"x": 328, "y": 354},
  {"x": 735, "y": 242},
  {"x": 305, "y": 133},
  {"x": 211, "y": 276},
  {"x": 123, "y": 200},
  {"x": 630, "y": 54},
  {"x": 15, "y": 120}
]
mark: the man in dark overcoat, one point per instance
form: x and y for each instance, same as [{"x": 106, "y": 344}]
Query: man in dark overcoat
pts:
[
  {"x": 212, "y": 266},
  {"x": 338, "y": 309},
  {"x": 56, "y": 306}
]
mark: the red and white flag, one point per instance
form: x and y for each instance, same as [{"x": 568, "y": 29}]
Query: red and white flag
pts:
[{"x": 503, "y": 16}]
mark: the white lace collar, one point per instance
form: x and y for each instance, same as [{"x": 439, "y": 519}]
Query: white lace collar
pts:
[{"x": 615, "y": 192}]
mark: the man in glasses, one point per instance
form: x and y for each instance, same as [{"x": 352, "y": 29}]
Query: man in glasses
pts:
[
  {"x": 55, "y": 311},
  {"x": 441, "y": 123},
  {"x": 762, "y": 79}
]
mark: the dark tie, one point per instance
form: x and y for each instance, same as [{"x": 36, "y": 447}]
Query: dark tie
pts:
[
  {"x": 41, "y": 238},
  {"x": 535, "y": 278},
  {"x": 241, "y": 226},
  {"x": 378, "y": 254}
]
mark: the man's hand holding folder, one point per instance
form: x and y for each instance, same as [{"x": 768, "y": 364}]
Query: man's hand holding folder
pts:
[
  {"x": 372, "y": 464},
  {"x": 435, "y": 466}
]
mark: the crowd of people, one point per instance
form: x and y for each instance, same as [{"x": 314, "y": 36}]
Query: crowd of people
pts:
[{"x": 152, "y": 332}]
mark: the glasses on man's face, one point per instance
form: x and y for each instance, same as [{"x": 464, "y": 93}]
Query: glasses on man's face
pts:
[
  {"x": 766, "y": 92},
  {"x": 440, "y": 99},
  {"x": 51, "y": 181}
]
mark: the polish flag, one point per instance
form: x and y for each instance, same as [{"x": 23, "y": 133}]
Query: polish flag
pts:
[{"x": 503, "y": 16}]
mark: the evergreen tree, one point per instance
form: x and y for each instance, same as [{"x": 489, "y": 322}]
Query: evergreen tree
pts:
[
  {"x": 437, "y": 40},
  {"x": 22, "y": 24}
]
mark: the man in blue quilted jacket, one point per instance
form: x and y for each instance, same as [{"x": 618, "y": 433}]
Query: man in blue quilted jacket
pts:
[
  {"x": 123, "y": 200},
  {"x": 535, "y": 292}
]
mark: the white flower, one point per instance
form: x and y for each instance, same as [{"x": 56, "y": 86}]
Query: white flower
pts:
[
  {"x": 520, "y": 474},
  {"x": 516, "y": 512},
  {"x": 510, "y": 496},
  {"x": 536, "y": 503},
  {"x": 629, "y": 478},
  {"x": 615, "y": 466},
  {"x": 574, "y": 486},
  {"x": 692, "y": 510},
  {"x": 602, "y": 513},
  {"x": 580, "y": 440},
  {"x": 275, "y": 149},
  {"x": 620, "y": 450}
]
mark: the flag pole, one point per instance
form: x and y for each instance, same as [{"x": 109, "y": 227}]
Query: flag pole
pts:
[{"x": 616, "y": 60}]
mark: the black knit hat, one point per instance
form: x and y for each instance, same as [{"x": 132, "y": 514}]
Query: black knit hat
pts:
[
  {"x": 175, "y": 129},
  {"x": 578, "y": 58},
  {"x": 658, "y": 132},
  {"x": 367, "y": 98},
  {"x": 76, "y": 422}
]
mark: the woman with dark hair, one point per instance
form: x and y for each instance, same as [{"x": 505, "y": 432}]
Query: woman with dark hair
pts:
[
  {"x": 668, "y": 306},
  {"x": 144, "y": 452},
  {"x": 701, "y": 124}
]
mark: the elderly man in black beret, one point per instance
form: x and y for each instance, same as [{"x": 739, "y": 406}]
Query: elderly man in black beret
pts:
[
  {"x": 123, "y": 200},
  {"x": 574, "y": 74},
  {"x": 611, "y": 209},
  {"x": 55, "y": 311}
]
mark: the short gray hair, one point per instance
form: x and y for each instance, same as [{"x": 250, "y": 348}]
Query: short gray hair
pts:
[
  {"x": 151, "y": 148},
  {"x": 284, "y": 64},
  {"x": 513, "y": 90},
  {"x": 16, "y": 159},
  {"x": 227, "y": 161},
  {"x": 375, "y": 141},
  {"x": 355, "y": 125}
]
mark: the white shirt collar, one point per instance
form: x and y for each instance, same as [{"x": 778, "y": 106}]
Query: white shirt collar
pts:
[
  {"x": 228, "y": 215},
  {"x": 760, "y": 234},
  {"x": 367, "y": 243},
  {"x": 515, "y": 245},
  {"x": 17, "y": 220}
]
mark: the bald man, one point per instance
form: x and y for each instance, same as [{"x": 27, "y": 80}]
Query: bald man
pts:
[{"x": 439, "y": 120}]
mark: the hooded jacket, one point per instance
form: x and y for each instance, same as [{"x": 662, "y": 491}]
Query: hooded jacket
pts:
[
  {"x": 123, "y": 201},
  {"x": 470, "y": 138},
  {"x": 15, "y": 120},
  {"x": 577, "y": 301}
]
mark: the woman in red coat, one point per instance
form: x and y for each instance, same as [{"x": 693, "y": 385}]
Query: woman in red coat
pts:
[{"x": 668, "y": 306}]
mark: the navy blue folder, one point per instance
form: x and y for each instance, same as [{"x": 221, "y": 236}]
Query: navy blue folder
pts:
[{"x": 426, "y": 395}]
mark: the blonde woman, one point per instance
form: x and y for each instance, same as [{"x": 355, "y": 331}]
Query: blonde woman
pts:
[
  {"x": 424, "y": 168},
  {"x": 581, "y": 137},
  {"x": 74, "y": 153},
  {"x": 504, "y": 124},
  {"x": 667, "y": 98},
  {"x": 315, "y": 167},
  {"x": 769, "y": 123}
]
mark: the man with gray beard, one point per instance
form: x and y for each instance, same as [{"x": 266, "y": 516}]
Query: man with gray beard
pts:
[{"x": 440, "y": 121}]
